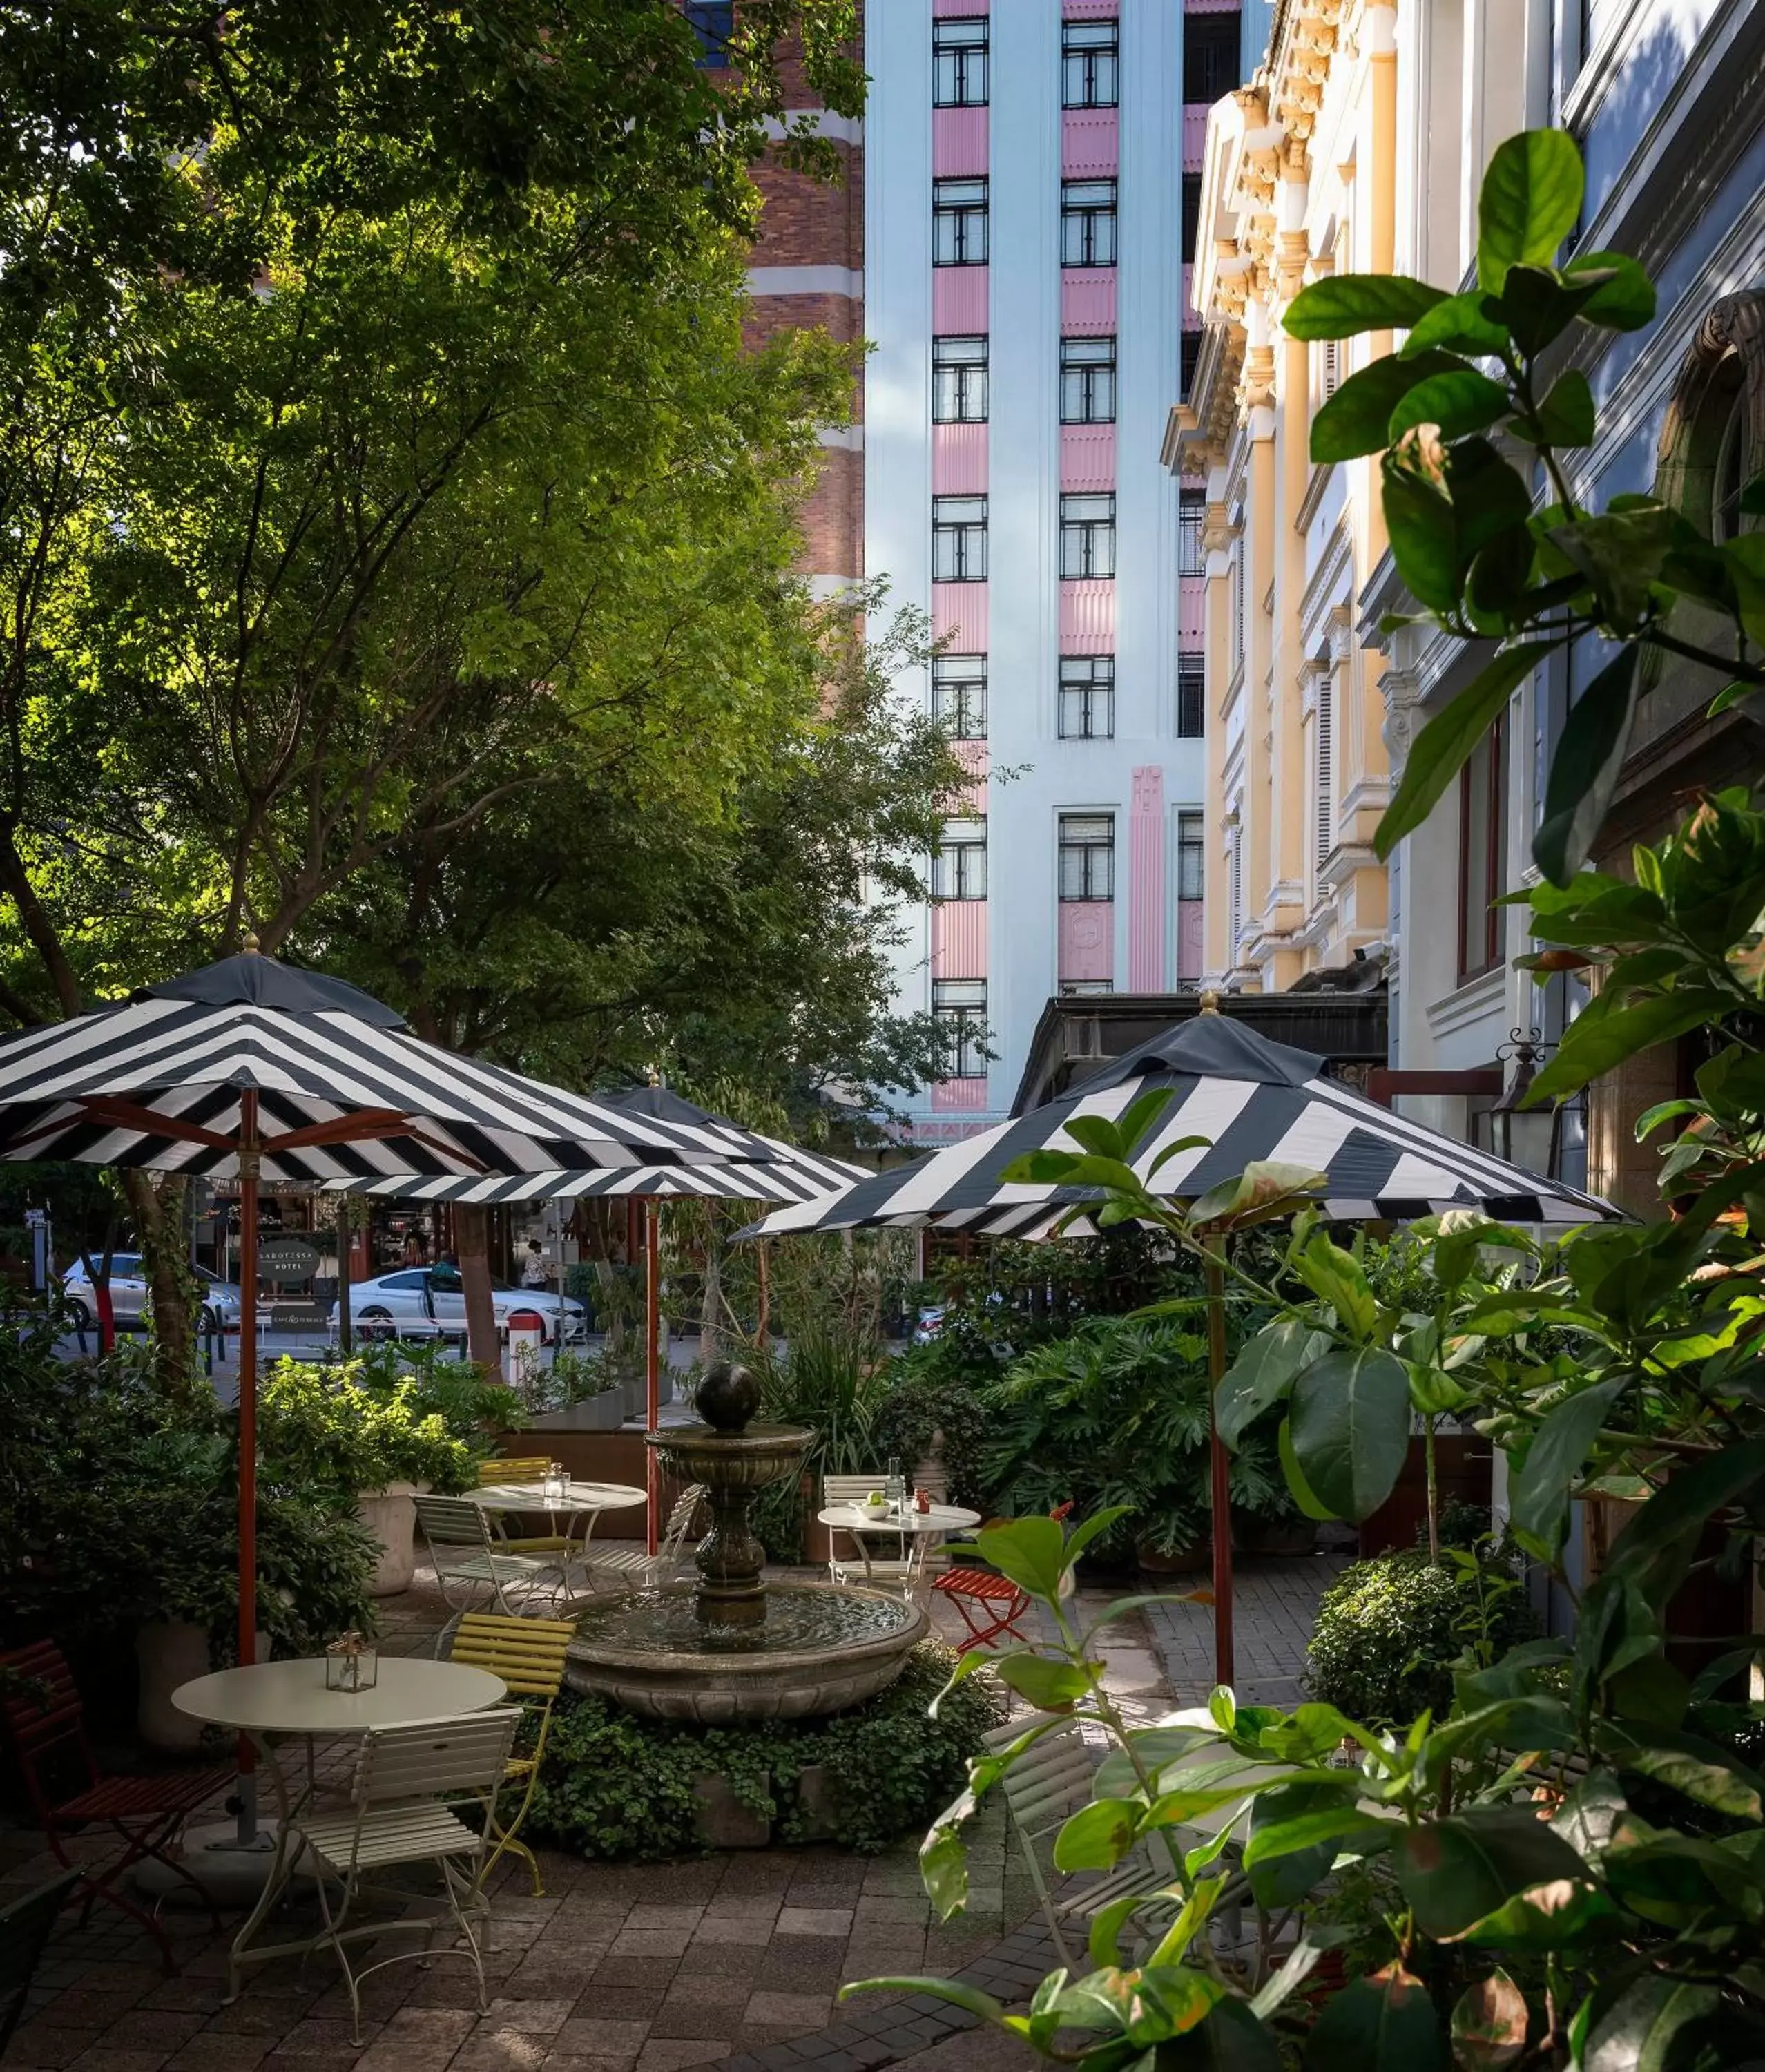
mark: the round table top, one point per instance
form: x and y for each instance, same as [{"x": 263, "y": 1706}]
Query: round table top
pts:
[
  {"x": 290, "y": 1697},
  {"x": 583, "y": 1496},
  {"x": 941, "y": 1518}
]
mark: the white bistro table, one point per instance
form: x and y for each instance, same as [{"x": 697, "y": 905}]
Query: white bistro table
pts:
[
  {"x": 924, "y": 1527},
  {"x": 582, "y": 1500},
  {"x": 290, "y": 1699}
]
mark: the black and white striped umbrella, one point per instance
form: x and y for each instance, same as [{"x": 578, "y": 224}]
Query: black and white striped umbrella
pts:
[
  {"x": 344, "y": 1092},
  {"x": 1249, "y": 1099}
]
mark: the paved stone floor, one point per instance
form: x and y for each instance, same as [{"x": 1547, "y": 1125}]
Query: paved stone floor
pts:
[{"x": 731, "y": 1960}]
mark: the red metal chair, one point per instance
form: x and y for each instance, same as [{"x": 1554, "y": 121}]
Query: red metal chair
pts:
[
  {"x": 990, "y": 1605},
  {"x": 46, "y": 1723}
]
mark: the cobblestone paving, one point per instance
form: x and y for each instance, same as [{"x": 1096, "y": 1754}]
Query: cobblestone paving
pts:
[
  {"x": 732, "y": 1960},
  {"x": 1274, "y": 1602}
]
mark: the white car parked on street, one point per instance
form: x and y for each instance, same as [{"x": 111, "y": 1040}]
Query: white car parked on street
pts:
[
  {"x": 429, "y": 1302},
  {"x": 130, "y": 1298}
]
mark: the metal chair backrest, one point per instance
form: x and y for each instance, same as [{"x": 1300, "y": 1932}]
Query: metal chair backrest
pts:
[
  {"x": 43, "y": 1715},
  {"x": 686, "y": 1509},
  {"x": 527, "y": 1653},
  {"x": 434, "y": 1758},
  {"x": 850, "y": 1488},
  {"x": 524, "y": 1468},
  {"x": 451, "y": 1521},
  {"x": 25, "y": 1927}
]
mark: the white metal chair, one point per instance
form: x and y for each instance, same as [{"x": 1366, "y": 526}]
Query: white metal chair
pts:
[
  {"x": 395, "y": 1818},
  {"x": 901, "y": 1572},
  {"x": 1043, "y": 1789},
  {"x": 468, "y": 1556},
  {"x": 630, "y": 1568}
]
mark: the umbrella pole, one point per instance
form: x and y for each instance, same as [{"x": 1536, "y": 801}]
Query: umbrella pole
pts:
[
  {"x": 1220, "y": 1465},
  {"x": 247, "y": 1441},
  {"x": 652, "y": 1377}
]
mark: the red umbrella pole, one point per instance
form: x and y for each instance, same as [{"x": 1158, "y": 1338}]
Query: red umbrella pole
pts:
[
  {"x": 248, "y": 1438},
  {"x": 652, "y": 1289},
  {"x": 1221, "y": 1465}
]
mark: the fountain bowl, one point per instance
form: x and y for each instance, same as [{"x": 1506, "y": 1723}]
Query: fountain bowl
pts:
[{"x": 821, "y": 1648}]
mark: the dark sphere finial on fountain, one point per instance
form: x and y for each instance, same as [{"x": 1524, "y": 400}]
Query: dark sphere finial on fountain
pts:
[{"x": 728, "y": 1396}]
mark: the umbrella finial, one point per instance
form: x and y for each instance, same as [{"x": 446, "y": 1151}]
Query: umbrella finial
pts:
[
  {"x": 1210, "y": 1001},
  {"x": 250, "y": 944}
]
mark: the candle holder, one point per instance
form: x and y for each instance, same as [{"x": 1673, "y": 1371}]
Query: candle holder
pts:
[
  {"x": 557, "y": 1480},
  {"x": 351, "y": 1663}
]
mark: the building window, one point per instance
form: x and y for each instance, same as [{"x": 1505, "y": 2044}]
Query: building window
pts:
[
  {"x": 1087, "y": 536},
  {"x": 958, "y": 866},
  {"x": 1190, "y": 857},
  {"x": 1483, "y": 844},
  {"x": 959, "y": 695},
  {"x": 958, "y": 211},
  {"x": 713, "y": 23},
  {"x": 1087, "y": 856},
  {"x": 1087, "y": 223},
  {"x": 1191, "y": 697},
  {"x": 1234, "y": 908},
  {"x": 1087, "y": 381},
  {"x": 1238, "y": 605},
  {"x": 1191, "y": 521},
  {"x": 1192, "y": 212},
  {"x": 1088, "y": 64},
  {"x": 1087, "y": 698},
  {"x": 1190, "y": 352},
  {"x": 1086, "y": 988},
  {"x": 959, "y": 62},
  {"x": 1329, "y": 367},
  {"x": 958, "y": 381},
  {"x": 958, "y": 539},
  {"x": 1210, "y": 55},
  {"x": 1325, "y": 719},
  {"x": 959, "y": 1005}
]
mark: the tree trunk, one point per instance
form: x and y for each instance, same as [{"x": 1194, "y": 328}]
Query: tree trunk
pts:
[
  {"x": 159, "y": 1212},
  {"x": 472, "y": 1241}
]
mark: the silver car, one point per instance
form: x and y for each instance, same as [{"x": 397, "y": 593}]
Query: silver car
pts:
[
  {"x": 429, "y": 1302},
  {"x": 131, "y": 1300}
]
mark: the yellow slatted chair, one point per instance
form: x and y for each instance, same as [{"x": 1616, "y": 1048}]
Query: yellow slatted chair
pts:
[
  {"x": 516, "y": 1471},
  {"x": 527, "y": 1653}
]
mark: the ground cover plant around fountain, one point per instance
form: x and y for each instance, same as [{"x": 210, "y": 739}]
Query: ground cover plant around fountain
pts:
[
  {"x": 1565, "y": 1870},
  {"x": 616, "y": 1786}
]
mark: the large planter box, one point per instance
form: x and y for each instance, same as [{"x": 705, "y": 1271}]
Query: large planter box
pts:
[
  {"x": 169, "y": 1652},
  {"x": 390, "y": 1515}
]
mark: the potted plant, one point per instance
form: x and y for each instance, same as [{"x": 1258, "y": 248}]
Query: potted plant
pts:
[{"x": 1171, "y": 1536}]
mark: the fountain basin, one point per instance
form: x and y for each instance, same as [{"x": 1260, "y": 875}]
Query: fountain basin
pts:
[{"x": 819, "y": 1648}]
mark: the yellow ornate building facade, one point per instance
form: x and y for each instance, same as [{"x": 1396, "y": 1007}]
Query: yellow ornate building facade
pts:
[{"x": 1299, "y": 180}]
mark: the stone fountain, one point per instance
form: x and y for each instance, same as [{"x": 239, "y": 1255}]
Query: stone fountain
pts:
[{"x": 731, "y": 1646}]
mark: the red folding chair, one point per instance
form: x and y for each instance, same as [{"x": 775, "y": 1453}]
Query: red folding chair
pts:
[
  {"x": 990, "y": 1605},
  {"x": 46, "y": 1723}
]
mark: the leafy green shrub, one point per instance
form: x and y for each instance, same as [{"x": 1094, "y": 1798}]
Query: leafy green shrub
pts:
[
  {"x": 1391, "y": 1631},
  {"x": 832, "y": 1379},
  {"x": 454, "y": 1390},
  {"x": 615, "y": 1785},
  {"x": 319, "y": 1427},
  {"x": 933, "y": 1406}
]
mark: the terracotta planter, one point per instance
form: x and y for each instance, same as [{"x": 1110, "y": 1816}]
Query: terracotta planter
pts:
[
  {"x": 390, "y": 1515},
  {"x": 1186, "y": 1561},
  {"x": 169, "y": 1652}
]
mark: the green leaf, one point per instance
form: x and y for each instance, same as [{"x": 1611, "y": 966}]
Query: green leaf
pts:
[
  {"x": 1460, "y": 400},
  {"x": 1620, "y": 553},
  {"x": 1355, "y": 420},
  {"x": 1455, "y": 1871},
  {"x": 1231, "y": 2040},
  {"x": 1458, "y": 323},
  {"x": 1097, "y": 1837},
  {"x": 1530, "y": 201},
  {"x": 1489, "y": 2023},
  {"x": 1700, "y": 1769},
  {"x": 1337, "y": 1277},
  {"x": 1098, "y": 1133},
  {"x": 1029, "y": 1551},
  {"x": 1384, "y": 2022},
  {"x": 1650, "y": 2025},
  {"x": 1539, "y": 1494},
  {"x": 943, "y": 1863},
  {"x": 1424, "y": 536},
  {"x": 1539, "y": 307},
  {"x": 1350, "y": 1419},
  {"x": 1098, "y": 1523},
  {"x": 1584, "y": 1054},
  {"x": 1300, "y": 1490},
  {"x": 950, "y": 1991},
  {"x": 1445, "y": 743},
  {"x": 1566, "y": 417},
  {"x": 1047, "y": 1684},
  {"x": 1262, "y": 1374},
  {"x": 1625, "y": 299},
  {"x": 1562, "y": 1915},
  {"x": 1346, "y": 305},
  {"x": 1103, "y": 1945}
]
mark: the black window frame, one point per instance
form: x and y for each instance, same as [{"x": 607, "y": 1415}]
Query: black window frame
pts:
[
  {"x": 1089, "y": 224},
  {"x": 1485, "y": 874},
  {"x": 1192, "y": 697},
  {"x": 1093, "y": 534},
  {"x": 1086, "y": 56},
  {"x": 1212, "y": 61},
  {"x": 963, "y": 1023},
  {"x": 960, "y": 693},
  {"x": 958, "y": 869},
  {"x": 966, "y": 377},
  {"x": 963, "y": 56},
  {"x": 1086, "y": 692},
  {"x": 713, "y": 23},
  {"x": 1088, "y": 379},
  {"x": 962, "y": 531},
  {"x": 1191, "y": 854},
  {"x": 1190, "y": 524},
  {"x": 1087, "y": 858},
  {"x": 969, "y": 215}
]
